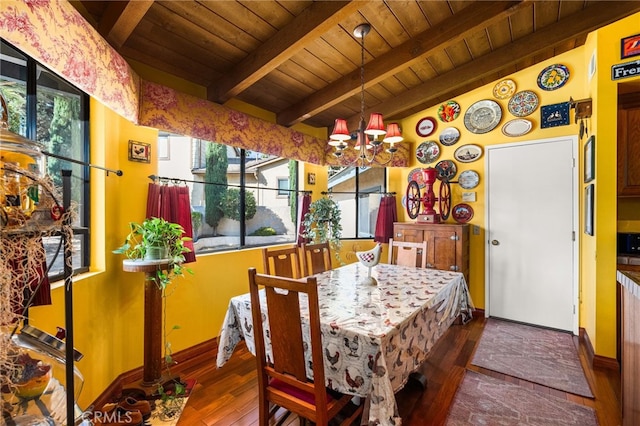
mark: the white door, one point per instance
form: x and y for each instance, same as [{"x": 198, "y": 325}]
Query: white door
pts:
[{"x": 531, "y": 230}]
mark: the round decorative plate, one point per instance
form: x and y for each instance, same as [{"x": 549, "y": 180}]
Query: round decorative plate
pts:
[
  {"x": 448, "y": 111},
  {"x": 449, "y": 136},
  {"x": 462, "y": 213},
  {"x": 469, "y": 179},
  {"x": 426, "y": 126},
  {"x": 468, "y": 153},
  {"x": 428, "y": 152},
  {"x": 483, "y": 116},
  {"x": 553, "y": 77},
  {"x": 517, "y": 127},
  {"x": 523, "y": 103},
  {"x": 447, "y": 169},
  {"x": 505, "y": 89},
  {"x": 418, "y": 176}
]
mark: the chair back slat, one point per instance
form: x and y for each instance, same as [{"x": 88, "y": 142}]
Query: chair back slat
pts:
[
  {"x": 408, "y": 253},
  {"x": 283, "y": 262},
  {"x": 316, "y": 258}
]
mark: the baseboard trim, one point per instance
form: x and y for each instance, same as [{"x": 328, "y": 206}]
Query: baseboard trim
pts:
[
  {"x": 597, "y": 361},
  {"x": 183, "y": 360}
]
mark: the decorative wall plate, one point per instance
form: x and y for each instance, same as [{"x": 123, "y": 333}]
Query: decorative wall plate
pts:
[
  {"x": 523, "y": 103},
  {"x": 426, "y": 126},
  {"x": 448, "y": 111},
  {"x": 469, "y": 179},
  {"x": 468, "y": 153},
  {"x": 428, "y": 152},
  {"x": 462, "y": 213},
  {"x": 417, "y": 176},
  {"x": 504, "y": 89},
  {"x": 447, "y": 169},
  {"x": 517, "y": 127},
  {"x": 449, "y": 136},
  {"x": 483, "y": 116},
  {"x": 553, "y": 77}
]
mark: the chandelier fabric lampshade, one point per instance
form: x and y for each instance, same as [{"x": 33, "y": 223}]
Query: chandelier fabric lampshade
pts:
[
  {"x": 340, "y": 132},
  {"x": 393, "y": 134},
  {"x": 376, "y": 125}
]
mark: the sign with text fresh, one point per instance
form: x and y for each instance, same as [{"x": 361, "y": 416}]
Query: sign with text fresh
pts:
[{"x": 629, "y": 69}]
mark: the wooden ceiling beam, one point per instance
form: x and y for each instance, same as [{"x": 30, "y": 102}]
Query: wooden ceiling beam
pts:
[
  {"x": 121, "y": 18},
  {"x": 596, "y": 15},
  {"x": 448, "y": 32},
  {"x": 310, "y": 25}
]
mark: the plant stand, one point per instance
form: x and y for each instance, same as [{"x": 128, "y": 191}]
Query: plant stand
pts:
[{"x": 152, "y": 374}]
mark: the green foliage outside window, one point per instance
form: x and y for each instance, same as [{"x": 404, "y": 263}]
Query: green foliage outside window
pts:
[
  {"x": 216, "y": 171},
  {"x": 231, "y": 204}
]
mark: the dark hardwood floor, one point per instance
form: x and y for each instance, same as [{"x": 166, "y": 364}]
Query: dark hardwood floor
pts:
[{"x": 228, "y": 396}]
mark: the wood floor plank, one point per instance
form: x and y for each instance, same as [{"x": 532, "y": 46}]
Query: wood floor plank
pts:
[{"x": 228, "y": 396}]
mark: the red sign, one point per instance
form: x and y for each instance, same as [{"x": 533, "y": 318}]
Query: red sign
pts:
[{"x": 630, "y": 46}]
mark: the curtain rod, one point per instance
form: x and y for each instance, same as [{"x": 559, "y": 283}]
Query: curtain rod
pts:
[
  {"x": 60, "y": 157},
  {"x": 353, "y": 192},
  {"x": 180, "y": 180}
]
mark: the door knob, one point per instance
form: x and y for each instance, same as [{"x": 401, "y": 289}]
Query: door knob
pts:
[{"x": 495, "y": 242}]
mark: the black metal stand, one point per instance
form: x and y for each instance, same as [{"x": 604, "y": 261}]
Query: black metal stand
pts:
[{"x": 68, "y": 298}]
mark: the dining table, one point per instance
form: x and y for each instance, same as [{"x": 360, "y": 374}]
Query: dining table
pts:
[{"x": 375, "y": 334}]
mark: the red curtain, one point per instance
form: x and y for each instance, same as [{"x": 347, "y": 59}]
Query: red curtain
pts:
[
  {"x": 387, "y": 214},
  {"x": 304, "y": 201},
  {"x": 171, "y": 203}
]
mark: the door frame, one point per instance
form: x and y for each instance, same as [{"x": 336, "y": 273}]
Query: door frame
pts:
[{"x": 576, "y": 221}]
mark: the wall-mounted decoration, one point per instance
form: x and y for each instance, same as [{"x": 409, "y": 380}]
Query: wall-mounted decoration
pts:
[
  {"x": 588, "y": 209},
  {"x": 428, "y": 152},
  {"x": 553, "y": 77},
  {"x": 417, "y": 176},
  {"x": 483, "y": 116},
  {"x": 554, "y": 115},
  {"x": 139, "y": 151},
  {"x": 523, "y": 103},
  {"x": 468, "y": 153},
  {"x": 469, "y": 179},
  {"x": 449, "y": 136},
  {"x": 517, "y": 127},
  {"x": 626, "y": 70},
  {"x": 462, "y": 213},
  {"x": 426, "y": 126},
  {"x": 504, "y": 89},
  {"x": 448, "y": 111},
  {"x": 311, "y": 178},
  {"x": 447, "y": 169},
  {"x": 590, "y": 159},
  {"x": 630, "y": 46}
]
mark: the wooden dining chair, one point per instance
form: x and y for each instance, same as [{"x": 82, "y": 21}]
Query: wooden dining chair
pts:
[
  {"x": 282, "y": 378},
  {"x": 408, "y": 253},
  {"x": 316, "y": 258},
  {"x": 283, "y": 262}
]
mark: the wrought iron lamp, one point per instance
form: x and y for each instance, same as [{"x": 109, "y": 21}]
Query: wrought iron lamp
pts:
[{"x": 369, "y": 139}]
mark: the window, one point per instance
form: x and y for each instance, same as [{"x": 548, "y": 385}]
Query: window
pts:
[
  {"x": 358, "y": 192},
  {"x": 247, "y": 200},
  {"x": 45, "y": 108}
]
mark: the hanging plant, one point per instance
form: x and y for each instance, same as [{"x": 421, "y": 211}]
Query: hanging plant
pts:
[{"x": 323, "y": 224}]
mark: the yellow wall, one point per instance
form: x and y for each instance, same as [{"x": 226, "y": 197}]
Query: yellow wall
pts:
[{"x": 108, "y": 303}]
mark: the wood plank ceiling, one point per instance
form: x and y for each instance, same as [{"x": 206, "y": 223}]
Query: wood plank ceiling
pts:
[{"x": 300, "y": 59}]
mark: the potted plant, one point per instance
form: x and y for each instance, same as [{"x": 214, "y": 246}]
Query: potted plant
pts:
[
  {"x": 156, "y": 239},
  {"x": 322, "y": 224}
]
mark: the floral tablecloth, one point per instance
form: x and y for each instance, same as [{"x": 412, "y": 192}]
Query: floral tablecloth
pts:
[{"x": 374, "y": 336}]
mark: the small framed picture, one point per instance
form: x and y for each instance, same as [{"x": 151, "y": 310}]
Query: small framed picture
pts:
[
  {"x": 589, "y": 159},
  {"x": 588, "y": 209},
  {"x": 139, "y": 151},
  {"x": 630, "y": 46},
  {"x": 311, "y": 178}
]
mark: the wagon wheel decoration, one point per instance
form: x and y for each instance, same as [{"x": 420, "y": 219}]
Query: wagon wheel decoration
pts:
[
  {"x": 444, "y": 200},
  {"x": 413, "y": 199}
]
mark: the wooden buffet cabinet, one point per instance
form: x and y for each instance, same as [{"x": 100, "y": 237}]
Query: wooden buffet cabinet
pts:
[{"x": 447, "y": 244}]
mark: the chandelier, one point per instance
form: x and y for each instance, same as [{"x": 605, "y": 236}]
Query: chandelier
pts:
[{"x": 369, "y": 140}]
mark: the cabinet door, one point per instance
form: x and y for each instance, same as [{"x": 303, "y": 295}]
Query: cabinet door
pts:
[
  {"x": 408, "y": 234},
  {"x": 441, "y": 249},
  {"x": 629, "y": 151}
]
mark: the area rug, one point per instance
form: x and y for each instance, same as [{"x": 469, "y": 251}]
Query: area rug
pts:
[
  {"x": 535, "y": 354},
  {"x": 484, "y": 400}
]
